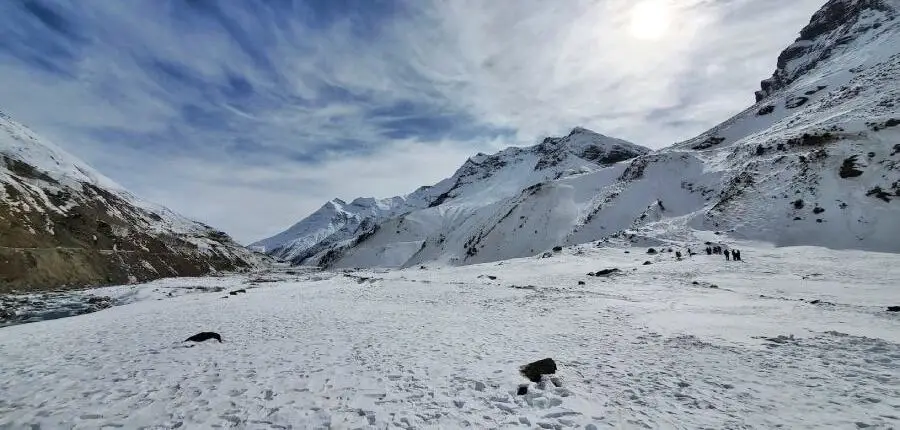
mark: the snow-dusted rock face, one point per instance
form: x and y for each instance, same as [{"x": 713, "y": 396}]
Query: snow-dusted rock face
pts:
[
  {"x": 62, "y": 224},
  {"x": 831, "y": 32},
  {"x": 816, "y": 161}
]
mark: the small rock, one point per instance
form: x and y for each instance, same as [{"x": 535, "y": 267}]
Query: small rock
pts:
[
  {"x": 533, "y": 371},
  {"x": 581, "y": 283},
  {"x": 893, "y": 309},
  {"x": 647, "y": 263},
  {"x": 606, "y": 272},
  {"x": 557, "y": 248},
  {"x": 479, "y": 386},
  {"x": 204, "y": 336},
  {"x": 523, "y": 390},
  {"x": 651, "y": 251}
]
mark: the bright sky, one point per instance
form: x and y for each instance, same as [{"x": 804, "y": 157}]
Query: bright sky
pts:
[{"x": 249, "y": 115}]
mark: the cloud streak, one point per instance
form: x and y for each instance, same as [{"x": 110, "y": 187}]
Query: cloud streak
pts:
[{"x": 248, "y": 115}]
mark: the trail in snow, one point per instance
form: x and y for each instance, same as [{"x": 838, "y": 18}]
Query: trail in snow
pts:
[{"x": 440, "y": 348}]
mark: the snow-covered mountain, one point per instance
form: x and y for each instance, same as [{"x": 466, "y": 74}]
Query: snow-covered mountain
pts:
[
  {"x": 482, "y": 182},
  {"x": 813, "y": 162},
  {"x": 64, "y": 224}
]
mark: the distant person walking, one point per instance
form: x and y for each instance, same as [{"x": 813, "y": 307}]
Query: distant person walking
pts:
[
  {"x": 727, "y": 255},
  {"x": 738, "y": 255},
  {"x": 708, "y": 251}
]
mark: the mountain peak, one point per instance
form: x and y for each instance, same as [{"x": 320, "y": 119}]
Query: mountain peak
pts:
[
  {"x": 833, "y": 29},
  {"x": 582, "y": 130}
]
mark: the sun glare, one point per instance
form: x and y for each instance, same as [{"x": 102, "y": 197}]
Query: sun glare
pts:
[{"x": 650, "y": 19}]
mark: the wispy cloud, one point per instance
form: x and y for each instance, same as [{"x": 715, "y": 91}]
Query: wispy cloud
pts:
[{"x": 248, "y": 115}]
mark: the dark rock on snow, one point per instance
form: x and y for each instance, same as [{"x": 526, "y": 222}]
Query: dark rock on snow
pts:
[
  {"x": 533, "y": 371},
  {"x": 204, "y": 336},
  {"x": 893, "y": 309},
  {"x": 606, "y": 272}
]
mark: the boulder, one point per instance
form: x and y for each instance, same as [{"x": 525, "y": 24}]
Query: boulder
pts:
[
  {"x": 606, "y": 272},
  {"x": 204, "y": 336},
  {"x": 534, "y": 371},
  {"x": 893, "y": 309}
]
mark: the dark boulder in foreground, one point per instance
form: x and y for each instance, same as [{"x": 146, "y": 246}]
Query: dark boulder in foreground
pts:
[
  {"x": 533, "y": 371},
  {"x": 204, "y": 336},
  {"x": 606, "y": 272},
  {"x": 893, "y": 309}
]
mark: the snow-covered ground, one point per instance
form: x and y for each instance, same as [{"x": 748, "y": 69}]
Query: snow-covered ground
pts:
[{"x": 656, "y": 346}]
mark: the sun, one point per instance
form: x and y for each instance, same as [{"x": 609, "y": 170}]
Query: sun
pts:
[{"x": 650, "y": 19}]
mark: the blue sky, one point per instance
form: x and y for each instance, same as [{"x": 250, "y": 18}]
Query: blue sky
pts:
[{"x": 250, "y": 114}]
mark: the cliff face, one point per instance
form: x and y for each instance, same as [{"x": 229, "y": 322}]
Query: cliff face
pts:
[{"x": 829, "y": 33}]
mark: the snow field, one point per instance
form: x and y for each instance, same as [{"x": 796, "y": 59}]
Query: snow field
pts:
[{"x": 441, "y": 347}]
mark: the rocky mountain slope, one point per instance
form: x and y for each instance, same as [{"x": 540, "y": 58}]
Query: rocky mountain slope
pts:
[
  {"x": 482, "y": 182},
  {"x": 813, "y": 162},
  {"x": 62, "y": 224}
]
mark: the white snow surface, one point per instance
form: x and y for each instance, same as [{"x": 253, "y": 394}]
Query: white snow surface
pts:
[{"x": 652, "y": 347}]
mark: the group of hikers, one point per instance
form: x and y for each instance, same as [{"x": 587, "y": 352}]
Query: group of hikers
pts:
[
  {"x": 730, "y": 255},
  {"x": 733, "y": 254}
]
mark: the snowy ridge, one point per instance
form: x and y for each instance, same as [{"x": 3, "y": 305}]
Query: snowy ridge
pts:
[
  {"x": 18, "y": 142},
  {"x": 64, "y": 224},
  {"x": 482, "y": 181}
]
